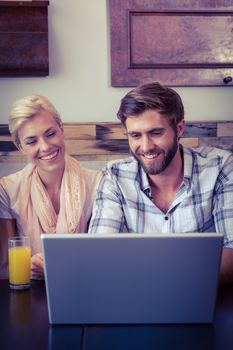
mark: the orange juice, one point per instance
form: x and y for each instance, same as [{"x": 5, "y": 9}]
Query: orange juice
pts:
[{"x": 19, "y": 265}]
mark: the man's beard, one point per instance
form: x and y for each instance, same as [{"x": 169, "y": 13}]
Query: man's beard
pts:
[{"x": 159, "y": 166}]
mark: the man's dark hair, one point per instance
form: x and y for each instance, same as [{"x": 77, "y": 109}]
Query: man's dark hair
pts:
[{"x": 152, "y": 96}]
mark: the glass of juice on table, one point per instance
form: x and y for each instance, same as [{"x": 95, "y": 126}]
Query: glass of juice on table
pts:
[{"x": 19, "y": 259}]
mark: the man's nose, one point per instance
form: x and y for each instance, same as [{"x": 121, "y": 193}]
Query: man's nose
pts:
[{"x": 146, "y": 144}]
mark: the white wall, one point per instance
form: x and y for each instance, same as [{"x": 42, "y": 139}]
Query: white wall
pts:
[{"x": 79, "y": 80}]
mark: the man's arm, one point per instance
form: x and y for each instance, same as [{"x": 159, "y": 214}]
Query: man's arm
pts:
[
  {"x": 107, "y": 214},
  {"x": 226, "y": 270},
  {"x": 223, "y": 217}
]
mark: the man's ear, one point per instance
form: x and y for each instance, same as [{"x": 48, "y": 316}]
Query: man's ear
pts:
[
  {"x": 62, "y": 128},
  {"x": 180, "y": 128}
]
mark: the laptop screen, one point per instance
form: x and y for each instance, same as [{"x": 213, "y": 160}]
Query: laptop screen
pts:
[{"x": 131, "y": 278}]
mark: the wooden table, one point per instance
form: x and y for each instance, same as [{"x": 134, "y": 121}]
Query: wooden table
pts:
[{"x": 24, "y": 325}]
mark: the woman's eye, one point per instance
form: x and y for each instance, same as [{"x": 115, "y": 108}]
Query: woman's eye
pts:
[{"x": 30, "y": 142}]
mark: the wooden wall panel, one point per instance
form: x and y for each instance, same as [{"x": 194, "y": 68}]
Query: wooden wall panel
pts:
[
  {"x": 225, "y": 129},
  {"x": 105, "y": 141},
  {"x": 80, "y": 131}
]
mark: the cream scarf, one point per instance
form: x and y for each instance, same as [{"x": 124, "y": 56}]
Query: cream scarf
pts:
[{"x": 71, "y": 217}]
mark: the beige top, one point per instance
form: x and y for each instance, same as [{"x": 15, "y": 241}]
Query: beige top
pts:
[{"x": 14, "y": 191}]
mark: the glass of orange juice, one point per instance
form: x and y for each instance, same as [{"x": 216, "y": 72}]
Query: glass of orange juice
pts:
[{"x": 19, "y": 259}]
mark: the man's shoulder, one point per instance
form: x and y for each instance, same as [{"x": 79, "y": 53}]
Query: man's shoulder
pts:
[
  {"x": 208, "y": 152},
  {"x": 126, "y": 168},
  {"x": 125, "y": 164}
]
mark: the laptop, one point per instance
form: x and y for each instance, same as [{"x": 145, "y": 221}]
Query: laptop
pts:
[{"x": 131, "y": 278}]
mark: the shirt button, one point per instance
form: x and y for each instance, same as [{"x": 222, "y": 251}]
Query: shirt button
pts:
[{"x": 166, "y": 218}]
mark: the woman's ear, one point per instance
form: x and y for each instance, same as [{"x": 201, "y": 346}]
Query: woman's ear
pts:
[{"x": 18, "y": 145}]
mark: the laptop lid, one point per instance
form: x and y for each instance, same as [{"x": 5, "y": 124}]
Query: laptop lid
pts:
[{"x": 131, "y": 278}]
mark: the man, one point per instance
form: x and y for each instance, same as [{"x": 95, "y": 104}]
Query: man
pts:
[{"x": 165, "y": 187}]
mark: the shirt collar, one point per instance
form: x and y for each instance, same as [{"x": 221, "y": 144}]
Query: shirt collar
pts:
[
  {"x": 141, "y": 177},
  {"x": 145, "y": 186},
  {"x": 188, "y": 165}
]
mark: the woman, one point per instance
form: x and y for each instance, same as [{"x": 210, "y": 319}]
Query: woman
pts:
[{"x": 53, "y": 193}]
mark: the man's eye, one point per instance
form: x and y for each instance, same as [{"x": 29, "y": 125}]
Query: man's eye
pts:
[
  {"x": 135, "y": 136},
  {"x": 51, "y": 133},
  {"x": 156, "y": 133}
]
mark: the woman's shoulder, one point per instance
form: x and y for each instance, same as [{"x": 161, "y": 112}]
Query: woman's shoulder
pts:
[
  {"x": 91, "y": 176},
  {"x": 15, "y": 179}
]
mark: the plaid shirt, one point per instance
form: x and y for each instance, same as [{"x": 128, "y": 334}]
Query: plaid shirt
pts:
[{"x": 204, "y": 202}]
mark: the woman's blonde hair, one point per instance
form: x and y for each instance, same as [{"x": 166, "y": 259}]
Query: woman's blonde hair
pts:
[{"x": 26, "y": 108}]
